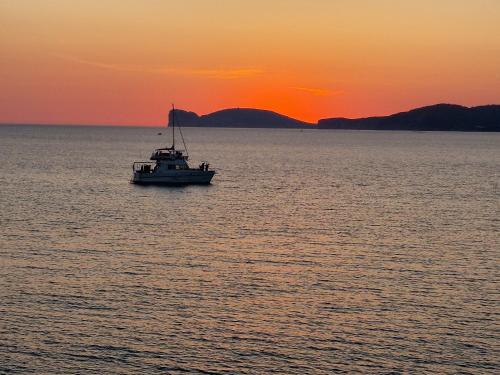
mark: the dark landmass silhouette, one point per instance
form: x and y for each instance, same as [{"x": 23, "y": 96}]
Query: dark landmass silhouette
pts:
[
  {"x": 238, "y": 118},
  {"x": 439, "y": 117}
]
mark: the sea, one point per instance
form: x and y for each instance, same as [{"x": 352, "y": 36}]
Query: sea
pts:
[{"x": 312, "y": 252}]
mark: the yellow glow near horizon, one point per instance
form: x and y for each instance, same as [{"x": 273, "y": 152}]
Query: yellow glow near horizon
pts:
[{"x": 124, "y": 61}]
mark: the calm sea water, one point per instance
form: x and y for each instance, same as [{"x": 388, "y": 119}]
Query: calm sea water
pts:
[{"x": 311, "y": 252}]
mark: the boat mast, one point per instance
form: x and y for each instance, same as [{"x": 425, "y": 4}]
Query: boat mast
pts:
[{"x": 173, "y": 127}]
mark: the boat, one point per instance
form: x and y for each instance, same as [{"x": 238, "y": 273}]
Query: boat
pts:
[{"x": 169, "y": 166}]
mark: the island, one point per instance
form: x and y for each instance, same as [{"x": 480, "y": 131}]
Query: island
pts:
[
  {"x": 439, "y": 117},
  {"x": 238, "y": 118}
]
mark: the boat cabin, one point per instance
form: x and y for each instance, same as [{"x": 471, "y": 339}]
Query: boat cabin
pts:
[{"x": 166, "y": 159}]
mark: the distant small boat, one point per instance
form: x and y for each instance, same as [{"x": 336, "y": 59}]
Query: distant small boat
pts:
[{"x": 170, "y": 167}]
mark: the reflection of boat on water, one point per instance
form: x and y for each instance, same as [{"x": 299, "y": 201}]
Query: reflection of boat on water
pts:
[{"x": 170, "y": 167}]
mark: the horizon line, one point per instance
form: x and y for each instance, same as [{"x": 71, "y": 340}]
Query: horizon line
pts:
[{"x": 2, "y": 123}]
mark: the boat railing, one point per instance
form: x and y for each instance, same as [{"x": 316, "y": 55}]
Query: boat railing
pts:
[{"x": 168, "y": 155}]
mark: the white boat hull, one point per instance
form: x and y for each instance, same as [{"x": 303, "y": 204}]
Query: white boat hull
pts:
[{"x": 178, "y": 177}]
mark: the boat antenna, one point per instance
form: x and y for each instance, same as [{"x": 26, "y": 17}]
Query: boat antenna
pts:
[
  {"x": 173, "y": 127},
  {"x": 180, "y": 131}
]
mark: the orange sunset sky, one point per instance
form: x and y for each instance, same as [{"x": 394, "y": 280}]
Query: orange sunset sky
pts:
[{"x": 125, "y": 61}]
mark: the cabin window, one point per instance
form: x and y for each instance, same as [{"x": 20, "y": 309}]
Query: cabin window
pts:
[{"x": 170, "y": 166}]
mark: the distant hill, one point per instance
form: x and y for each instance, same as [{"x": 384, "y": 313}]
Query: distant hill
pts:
[
  {"x": 439, "y": 117},
  {"x": 238, "y": 118}
]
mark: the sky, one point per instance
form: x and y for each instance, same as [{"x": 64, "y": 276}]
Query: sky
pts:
[{"x": 124, "y": 62}]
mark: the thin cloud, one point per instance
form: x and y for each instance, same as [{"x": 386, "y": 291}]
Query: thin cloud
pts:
[
  {"x": 221, "y": 73},
  {"x": 99, "y": 64},
  {"x": 317, "y": 91}
]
